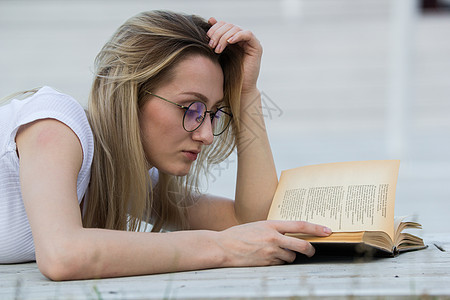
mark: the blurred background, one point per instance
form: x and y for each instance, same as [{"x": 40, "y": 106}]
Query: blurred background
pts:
[{"x": 342, "y": 80}]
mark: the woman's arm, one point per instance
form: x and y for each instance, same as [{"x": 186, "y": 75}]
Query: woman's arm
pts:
[
  {"x": 256, "y": 175},
  {"x": 50, "y": 157}
]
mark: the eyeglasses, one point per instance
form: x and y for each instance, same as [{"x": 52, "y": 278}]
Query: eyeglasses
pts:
[{"x": 195, "y": 114}]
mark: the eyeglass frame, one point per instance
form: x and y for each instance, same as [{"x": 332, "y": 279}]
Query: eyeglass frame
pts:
[{"x": 186, "y": 108}]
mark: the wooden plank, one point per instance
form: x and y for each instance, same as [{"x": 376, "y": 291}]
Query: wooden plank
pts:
[{"x": 424, "y": 273}]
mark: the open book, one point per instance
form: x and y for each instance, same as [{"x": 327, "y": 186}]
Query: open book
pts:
[{"x": 354, "y": 199}]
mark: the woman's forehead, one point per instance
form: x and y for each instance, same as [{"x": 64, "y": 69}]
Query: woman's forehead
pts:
[{"x": 197, "y": 76}]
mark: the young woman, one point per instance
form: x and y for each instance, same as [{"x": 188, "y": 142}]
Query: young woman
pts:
[{"x": 168, "y": 96}]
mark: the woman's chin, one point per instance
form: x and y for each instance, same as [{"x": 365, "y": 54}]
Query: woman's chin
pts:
[
  {"x": 176, "y": 171},
  {"x": 180, "y": 173}
]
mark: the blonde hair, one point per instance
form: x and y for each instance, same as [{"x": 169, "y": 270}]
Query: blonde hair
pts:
[{"x": 138, "y": 57}]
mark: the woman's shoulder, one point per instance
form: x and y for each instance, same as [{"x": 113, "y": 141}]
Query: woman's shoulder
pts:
[
  {"x": 48, "y": 98},
  {"x": 44, "y": 101},
  {"x": 48, "y": 103},
  {"x": 42, "y": 104}
]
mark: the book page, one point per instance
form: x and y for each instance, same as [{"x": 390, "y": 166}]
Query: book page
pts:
[{"x": 347, "y": 196}]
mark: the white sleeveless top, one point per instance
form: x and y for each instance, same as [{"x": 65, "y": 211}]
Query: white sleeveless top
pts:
[{"x": 16, "y": 241}]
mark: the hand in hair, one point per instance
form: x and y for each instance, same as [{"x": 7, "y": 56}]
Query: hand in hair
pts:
[
  {"x": 222, "y": 33},
  {"x": 255, "y": 182}
]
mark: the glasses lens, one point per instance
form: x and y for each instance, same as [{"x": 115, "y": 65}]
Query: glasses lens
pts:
[
  {"x": 221, "y": 120},
  {"x": 194, "y": 115}
]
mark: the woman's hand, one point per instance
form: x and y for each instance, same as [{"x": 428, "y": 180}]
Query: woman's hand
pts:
[
  {"x": 264, "y": 243},
  {"x": 221, "y": 34}
]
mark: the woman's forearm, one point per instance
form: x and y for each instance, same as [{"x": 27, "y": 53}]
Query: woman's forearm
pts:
[
  {"x": 100, "y": 253},
  {"x": 256, "y": 174}
]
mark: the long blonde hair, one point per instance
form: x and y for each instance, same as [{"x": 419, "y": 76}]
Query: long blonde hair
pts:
[{"x": 138, "y": 57}]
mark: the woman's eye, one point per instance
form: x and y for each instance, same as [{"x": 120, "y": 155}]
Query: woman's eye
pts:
[{"x": 196, "y": 108}]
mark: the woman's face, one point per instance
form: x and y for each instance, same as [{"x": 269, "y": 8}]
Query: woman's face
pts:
[{"x": 167, "y": 145}]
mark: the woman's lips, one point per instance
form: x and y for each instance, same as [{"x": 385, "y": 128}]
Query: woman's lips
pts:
[{"x": 191, "y": 155}]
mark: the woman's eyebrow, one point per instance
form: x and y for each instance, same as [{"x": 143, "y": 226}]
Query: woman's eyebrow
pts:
[{"x": 201, "y": 97}]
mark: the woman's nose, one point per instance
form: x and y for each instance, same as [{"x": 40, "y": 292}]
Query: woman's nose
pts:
[{"x": 204, "y": 133}]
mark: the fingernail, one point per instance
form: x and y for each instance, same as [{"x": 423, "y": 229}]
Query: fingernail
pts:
[
  {"x": 211, "y": 43},
  {"x": 327, "y": 230},
  {"x": 230, "y": 40},
  {"x": 218, "y": 48}
]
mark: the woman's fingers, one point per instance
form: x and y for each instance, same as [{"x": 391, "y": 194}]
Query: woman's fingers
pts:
[
  {"x": 296, "y": 244},
  {"x": 219, "y": 38},
  {"x": 212, "y": 31},
  {"x": 222, "y": 33},
  {"x": 212, "y": 21},
  {"x": 300, "y": 227},
  {"x": 241, "y": 36},
  {"x": 226, "y": 34},
  {"x": 286, "y": 255}
]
